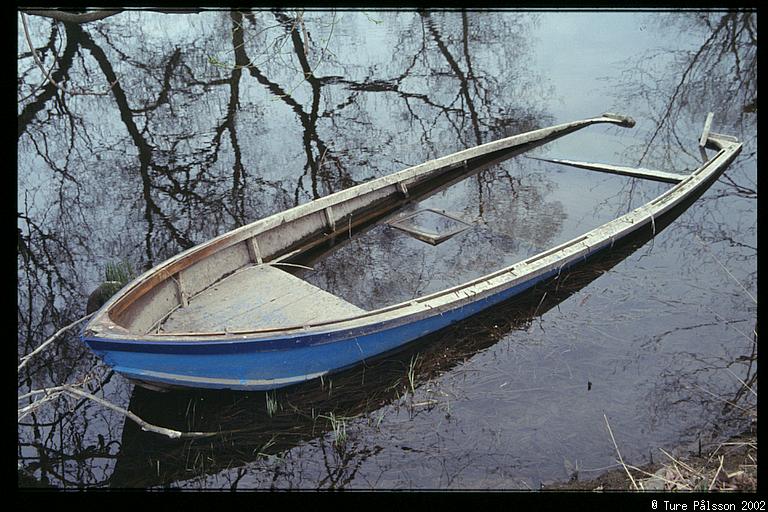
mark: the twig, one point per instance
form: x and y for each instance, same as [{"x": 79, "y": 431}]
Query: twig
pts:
[
  {"x": 677, "y": 469},
  {"x": 26, "y": 358},
  {"x": 46, "y": 73},
  {"x": 744, "y": 383},
  {"x": 77, "y": 392},
  {"x": 304, "y": 33},
  {"x": 35, "y": 56},
  {"x": 676, "y": 462},
  {"x": 289, "y": 265},
  {"x": 621, "y": 460},
  {"x": 37, "y": 403},
  {"x": 723, "y": 399},
  {"x": 707, "y": 249},
  {"x": 714, "y": 479},
  {"x": 653, "y": 475},
  {"x": 44, "y": 391}
]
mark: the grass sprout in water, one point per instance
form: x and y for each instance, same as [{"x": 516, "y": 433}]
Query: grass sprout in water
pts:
[
  {"x": 339, "y": 427},
  {"x": 272, "y": 404},
  {"x": 412, "y": 373}
]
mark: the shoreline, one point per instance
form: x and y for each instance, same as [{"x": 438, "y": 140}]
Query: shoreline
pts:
[{"x": 730, "y": 466}]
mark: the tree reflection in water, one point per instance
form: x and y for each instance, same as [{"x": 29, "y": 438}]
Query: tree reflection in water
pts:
[
  {"x": 718, "y": 74},
  {"x": 214, "y": 119}
]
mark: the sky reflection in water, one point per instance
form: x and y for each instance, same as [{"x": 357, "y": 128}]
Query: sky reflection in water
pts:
[{"x": 217, "y": 119}]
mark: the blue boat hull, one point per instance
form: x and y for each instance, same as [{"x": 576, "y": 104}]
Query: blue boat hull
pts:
[
  {"x": 260, "y": 364},
  {"x": 268, "y": 363}
]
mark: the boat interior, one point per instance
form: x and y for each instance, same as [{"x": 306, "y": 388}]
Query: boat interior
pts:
[
  {"x": 248, "y": 281},
  {"x": 375, "y": 249}
]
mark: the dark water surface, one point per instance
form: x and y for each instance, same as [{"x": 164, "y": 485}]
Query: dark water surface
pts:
[{"x": 217, "y": 119}]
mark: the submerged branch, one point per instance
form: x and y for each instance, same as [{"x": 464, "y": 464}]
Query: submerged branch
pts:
[
  {"x": 79, "y": 393},
  {"x": 53, "y": 393},
  {"x": 707, "y": 249}
]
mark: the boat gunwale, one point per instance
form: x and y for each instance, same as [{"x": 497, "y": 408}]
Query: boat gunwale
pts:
[
  {"x": 429, "y": 304},
  {"x": 165, "y": 270},
  {"x": 120, "y": 302}
]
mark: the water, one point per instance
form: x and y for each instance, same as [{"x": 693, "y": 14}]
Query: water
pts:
[{"x": 216, "y": 119}]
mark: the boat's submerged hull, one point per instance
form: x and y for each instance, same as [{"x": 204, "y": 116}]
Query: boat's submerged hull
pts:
[
  {"x": 272, "y": 358},
  {"x": 264, "y": 364}
]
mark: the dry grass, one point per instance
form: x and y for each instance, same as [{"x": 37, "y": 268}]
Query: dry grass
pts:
[{"x": 729, "y": 466}]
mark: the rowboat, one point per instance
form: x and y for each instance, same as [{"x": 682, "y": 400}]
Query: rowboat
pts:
[
  {"x": 250, "y": 428},
  {"x": 230, "y": 313}
]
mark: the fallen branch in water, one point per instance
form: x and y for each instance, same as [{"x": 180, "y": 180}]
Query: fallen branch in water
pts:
[
  {"x": 47, "y": 342},
  {"x": 709, "y": 251},
  {"x": 50, "y": 394},
  {"x": 55, "y": 392}
]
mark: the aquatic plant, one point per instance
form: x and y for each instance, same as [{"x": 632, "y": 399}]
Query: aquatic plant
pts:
[
  {"x": 272, "y": 404},
  {"x": 116, "y": 276},
  {"x": 412, "y": 373},
  {"x": 339, "y": 427}
]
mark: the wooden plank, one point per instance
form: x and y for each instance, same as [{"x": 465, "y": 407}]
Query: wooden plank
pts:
[
  {"x": 330, "y": 220},
  {"x": 201, "y": 274},
  {"x": 705, "y": 132},
  {"x": 635, "y": 172},
  {"x": 183, "y": 297},
  {"x": 727, "y": 138},
  {"x": 150, "y": 307},
  {"x": 258, "y": 297},
  {"x": 288, "y": 233},
  {"x": 253, "y": 250}
]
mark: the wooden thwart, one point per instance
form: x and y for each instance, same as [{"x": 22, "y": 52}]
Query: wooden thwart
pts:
[
  {"x": 635, "y": 172},
  {"x": 182, "y": 292}
]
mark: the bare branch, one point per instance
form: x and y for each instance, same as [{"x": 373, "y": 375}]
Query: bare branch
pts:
[
  {"x": 26, "y": 358},
  {"x": 79, "y": 393}
]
